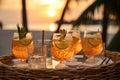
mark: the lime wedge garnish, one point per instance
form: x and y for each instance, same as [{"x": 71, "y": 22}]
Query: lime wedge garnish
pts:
[
  {"x": 63, "y": 34},
  {"x": 25, "y": 41},
  {"x": 93, "y": 41},
  {"x": 61, "y": 44},
  {"x": 75, "y": 39}
]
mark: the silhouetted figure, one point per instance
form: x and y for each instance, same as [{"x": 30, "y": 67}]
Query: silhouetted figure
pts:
[{"x": 1, "y": 25}]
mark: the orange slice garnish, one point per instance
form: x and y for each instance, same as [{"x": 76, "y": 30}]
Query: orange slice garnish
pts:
[{"x": 94, "y": 41}]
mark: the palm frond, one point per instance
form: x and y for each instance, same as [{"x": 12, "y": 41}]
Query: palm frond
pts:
[
  {"x": 88, "y": 13},
  {"x": 112, "y": 8}
]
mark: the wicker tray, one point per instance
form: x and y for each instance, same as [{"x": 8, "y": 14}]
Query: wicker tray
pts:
[{"x": 103, "y": 72}]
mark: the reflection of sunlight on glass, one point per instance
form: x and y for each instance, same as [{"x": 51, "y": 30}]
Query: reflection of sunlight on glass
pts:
[
  {"x": 52, "y": 27},
  {"x": 51, "y": 13}
]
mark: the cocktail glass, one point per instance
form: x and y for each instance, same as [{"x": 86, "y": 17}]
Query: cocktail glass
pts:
[
  {"x": 62, "y": 50},
  {"x": 92, "y": 45},
  {"x": 21, "y": 47},
  {"x": 77, "y": 42}
]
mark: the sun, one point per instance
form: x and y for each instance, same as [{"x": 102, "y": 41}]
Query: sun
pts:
[
  {"x": 51, "y": 13},
  {"x": 52, "y": 27}
]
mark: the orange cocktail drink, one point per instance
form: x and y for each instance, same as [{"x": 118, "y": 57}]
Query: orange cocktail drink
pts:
[
  {"x": 92, "y": 46},
  {"x": 77, "y": 42},
  {"x": 21, "y": 47}
]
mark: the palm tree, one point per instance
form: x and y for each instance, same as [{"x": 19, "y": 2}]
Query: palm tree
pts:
[
  {"x": 61, "y": 21},
  {"x": 24, "y": 15},
  {"x": 111, "y": 8},
  {"x": 62, "y": 16}
]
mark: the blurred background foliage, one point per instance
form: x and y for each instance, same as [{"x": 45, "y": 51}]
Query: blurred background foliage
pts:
[{"x": 111, "y": 14}]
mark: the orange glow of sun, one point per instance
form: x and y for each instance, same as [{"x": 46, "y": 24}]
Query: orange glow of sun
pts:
[{"x": 51, "y": 13}]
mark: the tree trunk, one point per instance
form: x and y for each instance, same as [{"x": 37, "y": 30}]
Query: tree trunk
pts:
[
  {"x": 105, "y": 25},
  {"x": 62, "y": 17},
  {"x": 24, "y": 15}
]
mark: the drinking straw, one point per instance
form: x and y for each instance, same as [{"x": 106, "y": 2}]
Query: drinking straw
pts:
[
  {"x": 43, "y": 37},
  {"x": 108, "y": 60},
  {"x": 105, "y": 60},
  {"x": 43, "y": 42}
]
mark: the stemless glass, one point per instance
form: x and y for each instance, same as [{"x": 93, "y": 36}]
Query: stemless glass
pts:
[
  {"x": 92, "y": 45},
  {"x": 77, "y": 43},
  {"x": 62, "y": 49},
  {"x": 37, "y": 60},
  {"x": 20, "y": 47}
]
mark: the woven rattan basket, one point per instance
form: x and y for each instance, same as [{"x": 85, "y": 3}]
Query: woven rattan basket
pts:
[{"x": 102, "y": 72}]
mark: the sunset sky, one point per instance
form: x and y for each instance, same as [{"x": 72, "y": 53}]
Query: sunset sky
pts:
[{"x": 41, "y": 11}]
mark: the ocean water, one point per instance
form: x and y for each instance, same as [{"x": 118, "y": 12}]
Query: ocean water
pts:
[{"x": 112, "y": 29}]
